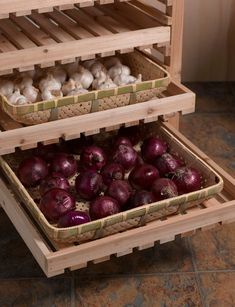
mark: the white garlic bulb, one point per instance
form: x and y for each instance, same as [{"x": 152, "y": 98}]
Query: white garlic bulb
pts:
[
  {"x": 112, "y": 61},
  {"x": 118, "y": 69},
  {"x": 71, "y": 68},
  {"x": 49, "y": 95},
  {"x": 84, "y": 77},
  {"x": 49, "y": 83},
  {"x": 89, "y": 63},
  {"x": 96, "y": 68},
  {"x": 99, "y": 80},
  {"x": 16, "y": 98},
  {"x": 31, "y": 93},
  {"x": 58, "y": 73},
  {"x": 6, "y": 87},
  {"x": 25, "y": 82},
  {"x": 125, "y": 79},
  {"x": 70, "y": 86}
]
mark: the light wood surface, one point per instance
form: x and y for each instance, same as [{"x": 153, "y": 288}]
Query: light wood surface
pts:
[{"x": 209, "y": 40}]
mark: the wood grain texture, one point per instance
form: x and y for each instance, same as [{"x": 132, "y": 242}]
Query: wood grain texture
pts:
[{"x": 209, "y": 41}]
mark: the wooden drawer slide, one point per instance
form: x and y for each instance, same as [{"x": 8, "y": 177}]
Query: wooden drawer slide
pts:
[{"x": 54, "y": 258}]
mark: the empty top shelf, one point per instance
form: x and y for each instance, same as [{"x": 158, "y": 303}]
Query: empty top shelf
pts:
[{"x": 43, "y": 39}]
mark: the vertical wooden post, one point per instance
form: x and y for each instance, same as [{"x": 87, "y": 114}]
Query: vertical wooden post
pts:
[{"x": 177, "y": 12}]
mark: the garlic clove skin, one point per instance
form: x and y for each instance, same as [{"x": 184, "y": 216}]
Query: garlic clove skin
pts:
[
  {"x": 68, "y": 86},
  {"x": 84, "y": 77},
  {"x": 49, "y": 83},
  {"x": 118, "y": 70},
  {"x": 96, "y": 68},
  {"x": 72, "y": 68},
  {"x": 112, "y": 61},
  {"x": 49, "y": 95},
  {"x": 17, "y": 99},
  {"x": 58, "y": 73},
  {"x": 31, "y": 93},
  {"x": 6, "y": 87},
  {"x": 89, "y": 63}
]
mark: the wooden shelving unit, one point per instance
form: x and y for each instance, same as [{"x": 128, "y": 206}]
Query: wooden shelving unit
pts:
[
  {"x": 63, "y": 36},
  {"x": 44, "y": 33}
]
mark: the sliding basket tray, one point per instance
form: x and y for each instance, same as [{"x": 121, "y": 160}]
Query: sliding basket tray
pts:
[
  {"x": 155, "y": 80},
  {"x": 213, "y": 184}
]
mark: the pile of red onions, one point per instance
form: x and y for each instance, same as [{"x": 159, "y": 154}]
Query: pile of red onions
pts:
[{"x": 112, "y": 180}]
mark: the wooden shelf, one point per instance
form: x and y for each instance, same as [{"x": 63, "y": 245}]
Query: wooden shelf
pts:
[
  {"x": 63, "y": 36},
  {"x": 176, "y": 99},
  {"x": 54, "y": 258}
]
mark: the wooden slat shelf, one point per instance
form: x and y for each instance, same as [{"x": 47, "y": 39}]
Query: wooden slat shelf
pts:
[
  {"x": 61, "y": 36},
  {"x": 54, "y": 258},
  {"x": 177, "y": 99}
]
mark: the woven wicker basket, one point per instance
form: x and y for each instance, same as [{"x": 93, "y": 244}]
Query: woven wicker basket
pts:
[
  {"x": 156, "y": 80},
  {"x": 125, "y": 220}
]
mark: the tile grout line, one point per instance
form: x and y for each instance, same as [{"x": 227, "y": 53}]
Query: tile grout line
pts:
[{"x": 198, "y": 281}]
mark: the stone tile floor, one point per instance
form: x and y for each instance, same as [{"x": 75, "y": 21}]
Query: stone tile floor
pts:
[{"x": 196, "y": 271}]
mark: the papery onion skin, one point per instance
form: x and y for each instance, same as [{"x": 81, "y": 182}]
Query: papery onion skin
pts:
[
  {"x": 112, "y": 171},
  {"x": 73, "y": 218},
  {"x": 120, "y": 190},
  {"x": 32, "y": 170},
  {"x": 65, "y": 164},
  {"x": 164, "y": 188},
  {"x": 126, "y": 156},
  {"x": 56, "y": 203},
  {"x": 187, "y": 179},
  {"x": 103, "y": 206},
  {"x": 55, "y": 180},
  {"x": 140, "y": 198},
  {"x": 93, "y": 157},
  {"x": 143, "y": 176},
  {"x": 168, "y": 163},
  {"x": 122, "y": 140},
  {"x": 152, "y": 148},
  {"x": 89, "y": 184}
]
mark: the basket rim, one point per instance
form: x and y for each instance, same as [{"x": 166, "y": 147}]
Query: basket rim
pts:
[
  {"x": 91, "y": 95},
  {"x": 122, "y": 216}
]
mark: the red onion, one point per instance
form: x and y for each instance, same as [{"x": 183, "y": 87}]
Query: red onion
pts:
[
  {"x": 93, "y": 157},
  {"x": 32, "y": 170},
  {"x": 73, "y": 218},
  {"x": 132, "y": 133},
  {"x": 141, "y": 198},
  {"x": 120, "y": 190},
  {"x": 168, "y": 163},
  {"x": 54, "y": 180},
  {"x": 152, "y": 148},
  {"x": 164, "y": 188},
  {"x": 111, "y": 172},
  {"x": 143, "y": 176},
  {"x": 56, "y": 203},
  {"x": 89, "y": 184},
  {"x": 187, "y": 179},
  {"x": 126, "y": 156},
  {"x": 65, "y": 164},
  {"x": 122, "y": 140},
  {"x": 46, "y": 152},
  {"x": 103, "y": 206}
]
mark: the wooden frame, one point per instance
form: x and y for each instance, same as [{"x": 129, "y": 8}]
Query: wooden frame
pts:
[{"x": 55, "y": 259}]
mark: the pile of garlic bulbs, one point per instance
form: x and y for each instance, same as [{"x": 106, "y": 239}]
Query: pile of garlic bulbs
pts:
[{"x": 67, "y": 80}]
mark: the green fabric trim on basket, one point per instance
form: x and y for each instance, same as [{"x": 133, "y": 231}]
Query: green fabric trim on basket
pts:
[
  {"x": 25, "y": 109},
  {"x": 49, "y": 104},
  {"x": 135, "y": 213},
  {"x": 193, "y": 197},
  {"x": 159, "y": 83},
  {"x": 113, "y": 220},
  {"x": 85, "y": 97},
  {"x": 67, "y": 233},
  {"x": 91, "y": 226},
  {"x": 106, "y": 93},
  {"x": 65, "y": 101},
  {"x": 125, "y": 89},
  {"x": 143, "y": 86}
]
